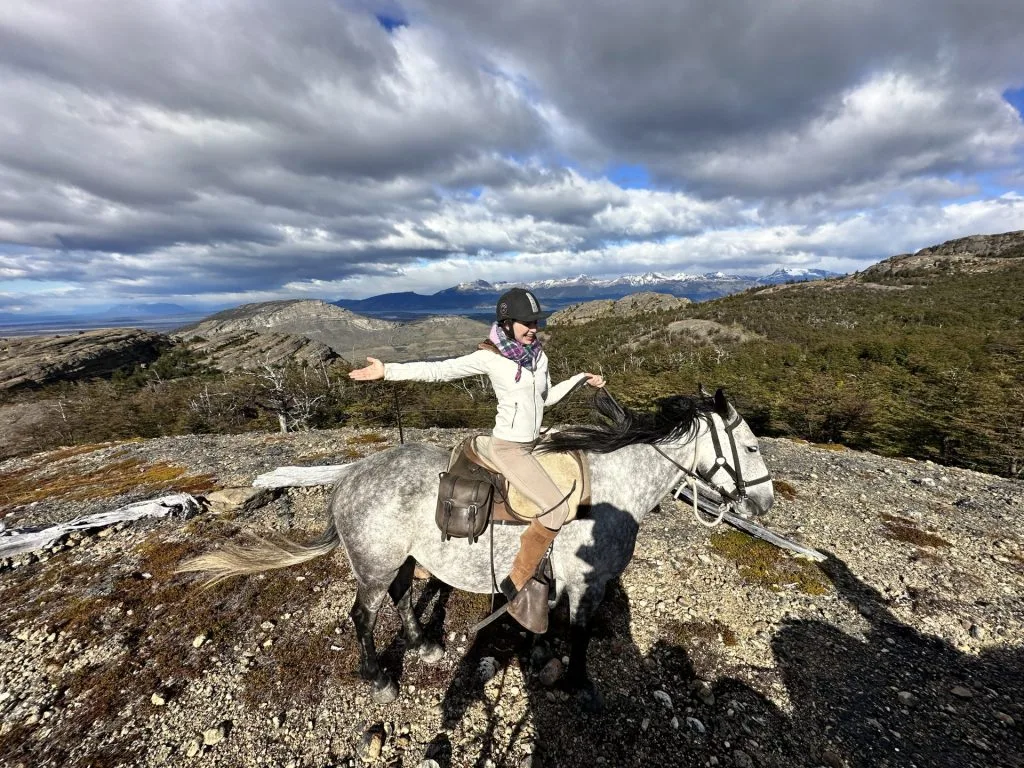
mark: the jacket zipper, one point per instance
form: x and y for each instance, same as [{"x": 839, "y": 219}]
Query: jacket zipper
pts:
[{"x": 514, "y": 416}]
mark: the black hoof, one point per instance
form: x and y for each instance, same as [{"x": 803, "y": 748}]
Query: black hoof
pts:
[{"x": 384, "y": 691}]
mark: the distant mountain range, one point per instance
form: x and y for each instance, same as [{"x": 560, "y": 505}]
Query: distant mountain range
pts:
[
  {"x": 478, "y": 297},
  {"x": 475, "y": 300}
]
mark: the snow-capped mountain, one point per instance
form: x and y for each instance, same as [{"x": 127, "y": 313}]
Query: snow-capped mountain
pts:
[
  {"x": 478, "y": 297},
  {"x": 794, "y": 275}
]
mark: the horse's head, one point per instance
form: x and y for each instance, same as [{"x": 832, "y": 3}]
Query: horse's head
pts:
[{"x": 728, "y": 458}]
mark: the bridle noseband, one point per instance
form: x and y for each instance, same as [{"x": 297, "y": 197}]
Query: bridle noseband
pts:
[{"x": 706, "y": 478}]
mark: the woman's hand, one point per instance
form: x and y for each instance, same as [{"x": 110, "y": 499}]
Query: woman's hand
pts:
[
  {"x": 594, "y": 380},
  {"x": 375, "y": 370}
]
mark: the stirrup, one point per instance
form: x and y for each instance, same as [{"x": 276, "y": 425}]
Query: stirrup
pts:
[{"x": 529, "y": 605}]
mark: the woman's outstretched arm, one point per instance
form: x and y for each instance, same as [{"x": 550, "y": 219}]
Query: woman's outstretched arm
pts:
[{"x": 442, "y": 370}]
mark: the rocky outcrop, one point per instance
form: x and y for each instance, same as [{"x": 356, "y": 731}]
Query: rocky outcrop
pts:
[
  {"x": 248, "y": 349},
  {"x": 628, "y": 306},
  {"x": 353, "y": 337},
  {"x": 977, "y": 253},
  {"x": 296, "y": 317},
  {"x": 32, "y": 361}
]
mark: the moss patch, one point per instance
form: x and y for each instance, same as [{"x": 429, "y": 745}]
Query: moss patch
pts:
[
  {"x": 761, "y": 563},
  {"x": 686, "y": 632},
  {"x": 901, "y": 529}
]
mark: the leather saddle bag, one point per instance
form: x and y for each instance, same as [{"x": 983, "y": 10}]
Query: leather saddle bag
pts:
[{"x": 463, "y": 506}]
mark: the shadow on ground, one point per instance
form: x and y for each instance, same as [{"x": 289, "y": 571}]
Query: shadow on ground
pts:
[{"x": 849, "y": 699}]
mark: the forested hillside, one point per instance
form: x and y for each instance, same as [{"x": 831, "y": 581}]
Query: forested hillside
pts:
[
  {"x": 927, "y": 362},
  {"x": 921, "y": 355}
]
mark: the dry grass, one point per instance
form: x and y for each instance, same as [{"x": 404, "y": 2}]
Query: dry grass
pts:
[
  {"x": 784, "y": 489},
  {"x": 761, "y": 563},
  {"x": 53, "y": 479},
  {"x": 147, "y": 619},
  {"x": 836, "y": 447},
  {"x": 901, "y": 529},
  {"x": 368, "y": 438}
]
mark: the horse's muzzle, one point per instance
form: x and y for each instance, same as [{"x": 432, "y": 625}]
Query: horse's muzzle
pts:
[{"x": 753, "y": 505}]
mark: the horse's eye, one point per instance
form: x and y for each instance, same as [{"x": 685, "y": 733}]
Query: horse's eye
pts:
[{"x": 752, "y": 448}]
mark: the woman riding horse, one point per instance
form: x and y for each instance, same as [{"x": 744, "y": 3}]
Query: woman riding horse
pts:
[{"x": 514, "y": 361}]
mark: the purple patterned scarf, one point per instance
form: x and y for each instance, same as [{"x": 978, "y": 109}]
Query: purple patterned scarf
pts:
[{"x": 523, "y": 354}]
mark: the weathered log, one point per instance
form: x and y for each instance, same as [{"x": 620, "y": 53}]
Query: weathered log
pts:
[
  {"x": 19, "y": 541},
  {"x": 300, "y": 477}
]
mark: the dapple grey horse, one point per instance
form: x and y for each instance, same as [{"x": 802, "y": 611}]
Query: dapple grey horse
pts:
[{"x": 382, "y": 512}]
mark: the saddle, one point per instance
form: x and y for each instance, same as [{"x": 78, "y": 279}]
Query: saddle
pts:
[{"x": 473, "y": 492}]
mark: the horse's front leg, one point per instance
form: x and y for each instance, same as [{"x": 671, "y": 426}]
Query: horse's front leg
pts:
[
  {"x": 415, "y": 638},
  {"x": 583, "y": 603},
  {"x": 364, "y": 617}
]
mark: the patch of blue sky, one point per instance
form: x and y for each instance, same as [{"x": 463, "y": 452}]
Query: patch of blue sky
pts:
[
  {"x": 1015, "y": 97},
  {"x": 629, "y": 176},
  {"x": 390, "y": 23}
]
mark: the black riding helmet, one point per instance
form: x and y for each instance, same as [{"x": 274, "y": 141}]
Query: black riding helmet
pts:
[{"x": 519, "y": 304}]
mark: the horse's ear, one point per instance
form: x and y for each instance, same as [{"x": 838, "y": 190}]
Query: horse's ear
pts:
[
  {"x": 701, "y": 392},
  {"x": 722, "y": 406}
]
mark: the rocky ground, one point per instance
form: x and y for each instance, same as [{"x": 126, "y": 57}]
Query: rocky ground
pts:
[{"x": 905, "y": 649}]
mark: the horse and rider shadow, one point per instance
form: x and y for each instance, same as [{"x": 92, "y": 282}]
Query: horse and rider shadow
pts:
[{"x": 893, "y": 697}]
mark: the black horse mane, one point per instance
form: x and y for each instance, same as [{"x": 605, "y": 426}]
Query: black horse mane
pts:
[{"x": 673, "y": 418}]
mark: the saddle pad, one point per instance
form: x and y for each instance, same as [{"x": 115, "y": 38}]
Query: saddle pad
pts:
[{"x": 565, "y": 469}]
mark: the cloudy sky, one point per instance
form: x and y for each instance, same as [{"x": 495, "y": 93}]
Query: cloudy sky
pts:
[{"x": 224, "y": 151}]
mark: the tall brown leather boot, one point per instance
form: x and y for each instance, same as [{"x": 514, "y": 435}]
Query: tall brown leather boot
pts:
[{"x": 527, "y": 596}]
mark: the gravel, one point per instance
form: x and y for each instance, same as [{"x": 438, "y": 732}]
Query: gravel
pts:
[{"x": 910, "y": 654}]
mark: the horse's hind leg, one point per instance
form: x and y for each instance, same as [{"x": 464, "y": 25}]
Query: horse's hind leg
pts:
[
  {"x": 364, "y": 616},
  {"x": 415, "y": 638}
]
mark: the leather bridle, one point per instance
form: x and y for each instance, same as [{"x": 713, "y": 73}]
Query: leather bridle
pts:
[{"x": 721, "y": 464}]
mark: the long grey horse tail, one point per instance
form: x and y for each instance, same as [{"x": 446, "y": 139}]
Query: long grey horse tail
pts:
[{"x": 263, "y": 555}]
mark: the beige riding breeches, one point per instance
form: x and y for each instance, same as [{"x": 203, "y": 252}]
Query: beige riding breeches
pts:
[{"x": 521, "y": 468}]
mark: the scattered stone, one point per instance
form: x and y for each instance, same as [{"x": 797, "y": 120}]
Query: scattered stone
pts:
[
  {"x": 487, "y": 668},
  {"x": 906, "y": 698},
  {"x": 962, "y": 692},
  {"x": 742, "y": 759},
  {"x": 674, "y": 722},
  {"x": 552, "y": 672},
  {"x": 695, "y": 725},
  {"x": 832, "y": 759},
  {"x": 645, "y": 724},
  {"x": 193, "y": 748},
  {"x": 157, "y": 700},
  {"x": 705, "y": 694},
  {"x": 1005, "y": 718},
  {"x": 214, "y": 736},
  {"x": 243, "y": 499},
  {"x": 200, "y": 639},
  {"x": 978, "y": 633},
  {"x": 663, "y": 698},
  {"x": 372, "y": 743}
]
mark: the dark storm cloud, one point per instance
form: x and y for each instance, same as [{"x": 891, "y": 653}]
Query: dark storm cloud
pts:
[
  {"x": 697, "y": 90},
  {"x": 267, "y": 148}
]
